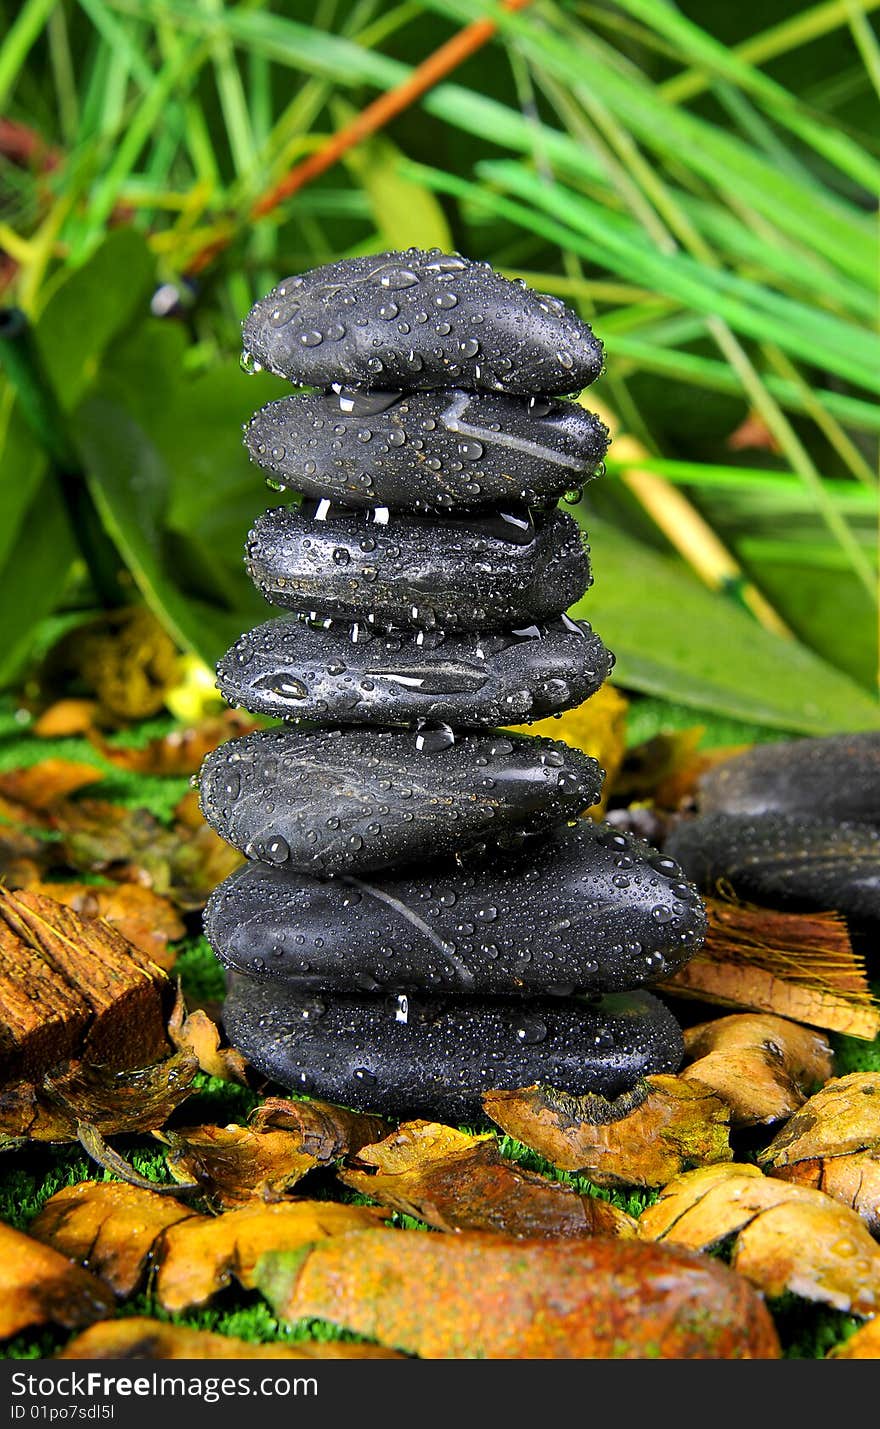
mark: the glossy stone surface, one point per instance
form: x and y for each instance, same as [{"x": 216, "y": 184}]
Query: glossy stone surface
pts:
[
  {"x": 426, "y": 450},
  {"x": 836, "y": 777},
  {"x": 464, "y": 573},
  {"x": 785, "y": 860},
  {"x": 582, "y": 907},
  {"x": 291, "y": 669},
  {"x": 350, "y": 801},
  {"x": 417, "y": 320},
  {"x": 431, "y": 1056}
]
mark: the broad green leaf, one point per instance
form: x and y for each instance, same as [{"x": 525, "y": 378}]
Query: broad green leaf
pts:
[
  {"x": 33, "y": 576},
  {"x": 129, "y": 483},
  {"x": 674, "y": 638},
  {"x": 406, "y": 214},
  {"x": 22, "y": 470},
  {"x": 89, "y": 308}
]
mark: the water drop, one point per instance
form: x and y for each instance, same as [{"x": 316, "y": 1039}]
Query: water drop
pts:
[
  {"x": 312, "y": 338},
  {"x": 395, "y": 279}
]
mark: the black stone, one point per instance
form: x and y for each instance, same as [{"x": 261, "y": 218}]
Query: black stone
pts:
[
  {"x": 433, "y": 1056},
  {"x": 426, "y": 450},
  {"x": 325, "y": 801},
  {"x": 292, "y": 670},
  {"x": 418, "y": 320},
  {"x": 579, "y": 908},
  {"x": 785, "y": 860},
  {"x": 461, "y": 573},
  {"x": 836, "y": 777}
]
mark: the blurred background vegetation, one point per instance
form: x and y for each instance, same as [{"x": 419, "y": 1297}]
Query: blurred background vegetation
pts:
[{"x": 699, "y": 180}]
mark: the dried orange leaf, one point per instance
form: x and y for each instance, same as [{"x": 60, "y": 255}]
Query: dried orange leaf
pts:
[
  {"x": 598, "y": 727},
  {"x": 202, "y": 1255},
  {"x": 863, "y": 1345},
  {"x": 642, "y": 1138},
  {"x": 456, "y": 1181},
  {"x": 138, "y": 914},
  {"x": 483, "y": 1296},
  {"x": 42, "y": 785},
  {"x": 853, "y": 1180},
  {"x": 788, "y": 1237},
  {"x": 66, "y": 717},
  {"x": 144, "y": 1339},
  {"x": 38, "y": 1286},
  {"x": 760, "y": 1065},
  {"x": 195, "y": 1033},
  {"x": 109, "y": 1224},
  {"x": 181, "y": 751},
  {"x": 325, "y": 1131},
  {"x": 113, "y": 1102},
  {"x": 234, "y": 1164}
]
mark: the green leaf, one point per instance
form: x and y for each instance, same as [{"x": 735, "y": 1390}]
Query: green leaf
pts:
[
  {"x": 89, "y": 308},
  {"x": 33, "y": 576},
  {"x": 674, "y": 638},
  {"x": 406, "y": 214}
]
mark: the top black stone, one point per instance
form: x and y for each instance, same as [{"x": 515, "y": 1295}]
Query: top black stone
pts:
[{"x": 416, "y": 320}]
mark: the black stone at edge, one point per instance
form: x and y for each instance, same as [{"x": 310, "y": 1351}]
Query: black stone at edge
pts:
[{"x": 423, "y": 1055}]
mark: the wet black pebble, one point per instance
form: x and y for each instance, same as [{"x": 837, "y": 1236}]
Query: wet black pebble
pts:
[
  {"x": 417, "y": 320},
  {"x": 431, "y": 1056},
  {"x": 291, "y": 669},
  {"x": 785, "y": 860},
  {"x": 582, "y": 907},
  {"x": 426, "y": 450},
  {"x": 351, "y": 801},
  {"x": 836, "y": 777},
  {"x": 466, "y": 573}
]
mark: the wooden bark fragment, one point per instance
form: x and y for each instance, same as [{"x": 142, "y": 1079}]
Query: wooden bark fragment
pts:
[
  {"x": 69, "y": 984},
  {"x": 456, "y": 1181},
  {"x": 643, "y": 1138}
]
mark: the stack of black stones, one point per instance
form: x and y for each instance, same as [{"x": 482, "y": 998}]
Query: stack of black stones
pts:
[{"x": 424, "y": 915}]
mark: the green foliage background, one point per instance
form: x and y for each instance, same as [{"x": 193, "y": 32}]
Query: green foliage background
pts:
[{"x": 700, "y": 181}]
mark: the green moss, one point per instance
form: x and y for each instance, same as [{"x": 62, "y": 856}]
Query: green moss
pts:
[{"x": 203, "y": 977}]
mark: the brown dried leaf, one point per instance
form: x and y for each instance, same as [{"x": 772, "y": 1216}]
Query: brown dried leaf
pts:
[
  {"x": 195, "y": 1033},
  {"x": 110, "y": 1225},
  {"x": 181, "y": 751},
  {"x": 140, "y": 1338},
  {"x": 788, "y": 1237},
  {"x": 42, "y": 785},
  {"x": 325, "y": 1131},
  {"x": 66, "y": 717},
  {"x": 761, "y": 1066},
  {"x": 833, "y": 1144},
  {"x": 797, "y": 965},
  {"x": 598, "y": 727},
  {"x": 234, "y": 1164},
  {"x": 39, "y": 1287},
  {"x": 203, "y": 1254},
  {"x": 72, "y": 985},
  {"x": 643, "y": 1138},
  {"x": 456, "y": 1181},
  {"x": 482, "y": 1296},
  {"x": 113, "y": 1102},
  {"x": 138, "y": 914}
]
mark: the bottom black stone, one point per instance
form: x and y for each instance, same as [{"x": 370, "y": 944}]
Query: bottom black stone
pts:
[{"x": 415, "y": 1055}]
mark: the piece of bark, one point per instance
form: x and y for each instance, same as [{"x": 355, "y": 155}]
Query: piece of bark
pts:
[
  {"x": 140, "y": 1338},
  {"x": 326, "y": 1131},
  {"x": 455, "y": 1181},
  {"x": 38, "y": 1286},
  {"x": 202, "y": 1255},
  {"x": 73, "y": 985},
  {"x": 788, "y": 1237},
  {"x": 833, "y": 1145},
  {"x": 763, "y": 1067},
  {"x": 52, "y": 1108},
  {"x": 482, "y": 1296},
  {"x": 642, "y": 1138},
  {"x": 145, "y": 919},
  {"x": 195, "y": 1033},
  {"x": 110, "y": 1226},
  {"x": 797, "y": 965}
]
